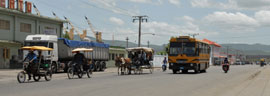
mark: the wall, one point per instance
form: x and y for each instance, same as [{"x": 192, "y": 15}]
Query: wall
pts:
[
  {"x": 7, "y": 34},
  {"x": 38, "y": 25},
  {"x": 5, "y": 63},
  {"x": 111, "y": 62}
]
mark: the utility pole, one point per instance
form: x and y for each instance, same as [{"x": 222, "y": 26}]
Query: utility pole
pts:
[
  {"x": 141, "y": 19},
  {"x": 127, "y": 42},
  {"x": 148, "y": 44},
  {"x": 193, "y": 35}
]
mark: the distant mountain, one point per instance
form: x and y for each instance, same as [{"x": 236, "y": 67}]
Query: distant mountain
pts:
[{"x": 248, "y": 49}]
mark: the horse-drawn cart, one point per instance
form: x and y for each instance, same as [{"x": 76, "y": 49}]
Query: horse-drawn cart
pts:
[{"x": 139, "y": 58}]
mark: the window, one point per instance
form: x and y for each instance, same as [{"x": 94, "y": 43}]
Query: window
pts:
[
  {"x": 50, "y": 45},
  {"x": 6, "y": 53},
  {"x": 112, "y": 56},
  {"x": 4, "y": 24},
  {"x": 24, "y": 27},
  {"x": 20, "y": 54},
  {"x": 122, "y": 55}
]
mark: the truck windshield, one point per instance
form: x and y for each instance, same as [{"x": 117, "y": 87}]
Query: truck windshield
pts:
[
  {"x": 36, "y": 44},
  {"x": 187, "y": 48}
]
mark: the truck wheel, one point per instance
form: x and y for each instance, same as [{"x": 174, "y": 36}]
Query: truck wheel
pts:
[
  {"x": 95, "y": 67},
  {"x": 103, "y": 65},
  {"x": 54, "y": 67},
  {"x": 203, "y": 71},
  {"x": 174, "y": 71}
]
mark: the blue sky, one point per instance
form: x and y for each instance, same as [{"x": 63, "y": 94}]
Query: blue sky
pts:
[{"x": 222, "y": 21}]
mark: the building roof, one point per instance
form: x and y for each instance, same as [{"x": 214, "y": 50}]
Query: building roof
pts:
[
  {"x": 16, "y": 12},
  {"x": 211, "y": 42}
]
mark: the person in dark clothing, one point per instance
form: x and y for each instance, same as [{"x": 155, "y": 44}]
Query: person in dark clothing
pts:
[
  {"x": 32, "y": 58},
  {"x": 79, "y": 58},
  {"x": 226, "y": 61}
]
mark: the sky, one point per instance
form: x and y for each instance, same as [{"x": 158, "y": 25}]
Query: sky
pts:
[{"x": 221, "y": 21}]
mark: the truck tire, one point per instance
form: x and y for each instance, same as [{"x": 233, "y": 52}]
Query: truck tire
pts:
[
  {"x": 54, "y": 67},
  {"x": 103, "y": 64},
  {"x": 95, "y": 66}
]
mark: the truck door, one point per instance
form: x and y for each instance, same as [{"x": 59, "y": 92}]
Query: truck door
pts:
[{"x": 54, "y": 53}]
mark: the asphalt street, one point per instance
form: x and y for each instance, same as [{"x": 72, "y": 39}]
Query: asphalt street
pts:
[{"x": 212, "y": 83}]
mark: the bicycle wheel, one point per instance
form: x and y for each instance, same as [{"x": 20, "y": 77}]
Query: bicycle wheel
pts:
[
  {"x": 70, "y": 73},
  {"x": 21, "y": 77}
]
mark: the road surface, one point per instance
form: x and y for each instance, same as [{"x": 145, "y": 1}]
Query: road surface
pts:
[{"x": 239, "y": 81}]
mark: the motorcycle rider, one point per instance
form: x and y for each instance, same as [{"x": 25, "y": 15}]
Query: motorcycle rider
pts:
[
  {"x": 226, "y": 61},
  {"x": 164, "y": 63},
  {"x": 226, "y": 64},
  {"x": 262, "y": 62}
]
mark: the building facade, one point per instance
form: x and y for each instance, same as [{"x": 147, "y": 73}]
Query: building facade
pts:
[
  {"x": 113, "y": 53},
  {"x": 15, "y": 26},
  {"x": 215, "y": 56}
]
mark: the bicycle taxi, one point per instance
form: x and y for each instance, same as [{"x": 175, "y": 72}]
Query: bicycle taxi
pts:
[
  {"x": 38, "y": 67},
  {"x": 80, "y": 69}
]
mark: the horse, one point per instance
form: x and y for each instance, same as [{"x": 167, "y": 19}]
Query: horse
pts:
[{"x": 122, "y": 64}]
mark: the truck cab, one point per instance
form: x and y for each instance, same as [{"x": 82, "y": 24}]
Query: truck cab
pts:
[{"x": 47, "y": 41}]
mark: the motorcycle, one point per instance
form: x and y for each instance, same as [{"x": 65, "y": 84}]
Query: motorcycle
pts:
[
  {"x": 164, "y": 67},
  {"x": 262, "y": 64},
  {"x": 225, "y": 67}
]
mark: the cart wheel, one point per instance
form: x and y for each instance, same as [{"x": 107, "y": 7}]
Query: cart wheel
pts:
[
  {"x": 36, "y": 77},
  {"x": 80, "y": 73},
  {"x": 70, "y": 73},
  {"x": 48, "y": 76},
  {"x": 21, "y": 77},
  {"x": 89, "y": 73}
]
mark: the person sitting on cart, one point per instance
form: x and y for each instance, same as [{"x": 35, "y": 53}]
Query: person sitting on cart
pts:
[
  {"x": 32, "y": 57},
  {"x": 79, "y": 58}
]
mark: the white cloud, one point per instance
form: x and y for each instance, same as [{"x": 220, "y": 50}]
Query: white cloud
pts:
[
  {"x": 117, "y": 21},
  {"x": 232, "y": 21},
  {"x": 185, "y": 18},
  {"x": 233, "y": 4},
  {"x": 112, "y": 6},
  {"x": 141, "y": 1},
  {"x": 263, "y": 17},
  {"x": 174, "y": 2}
]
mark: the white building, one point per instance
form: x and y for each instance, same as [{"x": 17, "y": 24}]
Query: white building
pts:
[{"x": 215, "y": 56}]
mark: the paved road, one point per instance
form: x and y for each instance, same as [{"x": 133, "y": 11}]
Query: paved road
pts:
[{"x": 213, "y": 83}]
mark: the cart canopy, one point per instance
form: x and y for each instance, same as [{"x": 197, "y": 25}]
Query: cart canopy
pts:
[
  {"x": 82, "y": 49},
  {"x": 145, "y": 49},
  {"x": 42, "y": 48}
]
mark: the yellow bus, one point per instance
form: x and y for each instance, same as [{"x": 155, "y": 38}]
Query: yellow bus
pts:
[{"x": 186, "y": 53}]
